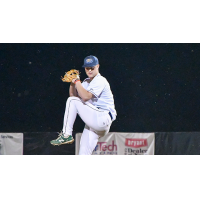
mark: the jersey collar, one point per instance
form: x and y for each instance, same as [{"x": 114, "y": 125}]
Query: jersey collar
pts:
[
  {"x": 98, "y": 75},
  {"x": 93, "y": 78}
]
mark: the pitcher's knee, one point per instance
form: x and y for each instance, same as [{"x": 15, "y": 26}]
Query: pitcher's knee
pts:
[{"x": 73, "y": 98}]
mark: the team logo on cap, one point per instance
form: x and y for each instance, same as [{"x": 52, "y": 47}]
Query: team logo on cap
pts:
[{"x": 89, "y": 60}]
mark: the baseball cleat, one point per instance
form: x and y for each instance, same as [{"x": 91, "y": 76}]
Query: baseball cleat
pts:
[{"x": 62, "y": 140}]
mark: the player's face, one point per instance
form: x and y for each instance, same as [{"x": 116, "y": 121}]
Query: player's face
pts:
[{"x": 92, "y": 71}]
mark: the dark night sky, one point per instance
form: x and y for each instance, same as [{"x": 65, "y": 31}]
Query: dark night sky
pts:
[{"x": 155, "y": 86}]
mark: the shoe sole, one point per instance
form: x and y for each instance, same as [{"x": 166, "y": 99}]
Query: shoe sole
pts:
[{"x": 68, "y": 142}]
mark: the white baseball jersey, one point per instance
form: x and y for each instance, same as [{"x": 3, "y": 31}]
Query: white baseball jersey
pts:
[{"x": 100, "y": 88}]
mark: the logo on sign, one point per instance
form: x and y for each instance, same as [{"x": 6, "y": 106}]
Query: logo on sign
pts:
[
  {"x": 136, "y": 143},
  {"x": 6, "y": 136},
  {"x": 104, "y": 147}
]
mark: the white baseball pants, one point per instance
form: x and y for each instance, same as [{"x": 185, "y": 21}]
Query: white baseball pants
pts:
[{"x": 97, "y": 123}]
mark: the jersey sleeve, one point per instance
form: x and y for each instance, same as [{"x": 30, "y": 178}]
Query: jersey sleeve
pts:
[{"x": 96, "y": 87}]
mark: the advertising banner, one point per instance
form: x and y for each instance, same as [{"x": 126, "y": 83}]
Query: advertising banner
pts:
[
  {"x": 11, "y": 143},
  {"x": 119, "y": 143}
]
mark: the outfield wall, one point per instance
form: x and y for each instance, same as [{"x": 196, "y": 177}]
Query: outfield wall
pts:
[{"x": 162, "y": 143}]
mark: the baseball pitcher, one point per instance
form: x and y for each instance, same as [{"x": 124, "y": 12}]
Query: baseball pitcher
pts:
[{"x": 93, "y": 101}]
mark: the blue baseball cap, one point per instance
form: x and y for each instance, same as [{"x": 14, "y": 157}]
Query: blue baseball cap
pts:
[{"x": 90, "y": 61}]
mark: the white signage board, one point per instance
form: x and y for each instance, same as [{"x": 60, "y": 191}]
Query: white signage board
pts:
[
  {"x": 119, "y": 143},
  {"x": 11, "y": 143}
]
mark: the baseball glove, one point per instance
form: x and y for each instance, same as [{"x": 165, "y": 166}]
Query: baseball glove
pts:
[{"x": 70, "y": 75}]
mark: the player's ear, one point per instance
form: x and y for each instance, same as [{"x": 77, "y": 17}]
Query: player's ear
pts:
[{"x": 98, "y": 66}]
